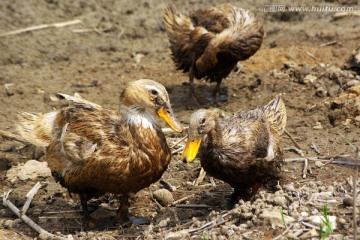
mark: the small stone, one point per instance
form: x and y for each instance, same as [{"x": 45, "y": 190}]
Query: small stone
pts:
[
  {"x": 275, "y": 218},
  {"x": 304, "y": 214},
  {"x": 280, "y": 201},
  {"x": 247, "y": 215},
  {"x": 347, "y": 122},
  {"x": 319, "y": 164},
  {"x": 318, "y": 126},
  {"x": 342, "y": 221},
  {"x": 163, "y": 196},
  {"x": 320, "y": 221},
  {"x": 8, "y": 224},
  {"x": 182, "y": 234},
  {"x": 310, "y": 234},
  {"x": 290, "y": 188},
  {"x": 243, "y": 226},
  {"x": 309, "y": 78},
  {"x": 348, "y": 202},
  {"x": 164, "y": 222},
  {"x": 30, "y": 170},
  {"x": 321, "y": 92}
]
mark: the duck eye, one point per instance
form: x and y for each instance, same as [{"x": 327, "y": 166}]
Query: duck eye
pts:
[
  {"x": 203, "y": 121},
  {"x": 154, "y": 92}
]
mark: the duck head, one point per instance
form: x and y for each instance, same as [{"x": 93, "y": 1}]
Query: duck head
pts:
[
  {"x": 153, "y": 97},
  {"x": 201, "y": 123}
]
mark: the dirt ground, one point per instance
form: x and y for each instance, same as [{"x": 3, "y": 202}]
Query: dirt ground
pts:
[{"x": 305, "y": 55}]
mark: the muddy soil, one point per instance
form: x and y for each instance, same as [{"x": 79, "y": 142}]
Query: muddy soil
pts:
[{"x": 304, "y": 55}]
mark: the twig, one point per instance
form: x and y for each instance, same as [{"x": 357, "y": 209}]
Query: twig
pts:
[
  {"x": 310, "y": 225},
  {"x": 313, "y": 147},
  {"x": 295, "y": 149},
  {"x": 182, "y": 199},
  {"x": 311, "y": 55},
  {"x": 200, "y": 178},
  {"x": 284, "y": 232},
  {"x": 357, "y": 155},
  {"x": 192, "y": 206},
  {"x": 168, "y": 185},
  {"x": 180, "y": 140},
  {"x": 328, "y": 43},
  {"x": 11, "y": 136},
  {"x": 210, "y": 224},
  {"x": 156, "y": 202},
  {"x": 30, "y": 195},
  {"x": 344, "y": 14},
  {"x": 293, "y": 140},
  {"x": 93, "y": 83},
  {"x": 306, "y": 163},
  {"x": 42, "y": 26},
  {"x": 169, "y": 130},
  {"x": 318, "y": 158},
  {"x": 212, "y": 181},
  {"x": 178, "y": 150},
  {"x": 43, "y": 234}
]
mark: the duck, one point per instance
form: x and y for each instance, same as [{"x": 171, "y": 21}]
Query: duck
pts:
[
  {"x": 92, "y": 150},
  {"x": 208, "y": 44},
  {"x": 242, "y": 149}
]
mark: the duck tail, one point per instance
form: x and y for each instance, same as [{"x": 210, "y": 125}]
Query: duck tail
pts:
[
  {"x": 37, "y": 128},
  {"x": 275, "y": 112},
  {"x": 176, "y": 24}
]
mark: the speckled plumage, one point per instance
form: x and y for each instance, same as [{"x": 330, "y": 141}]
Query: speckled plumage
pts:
[
  {"x": 92, "y": 150},
  {"x": 243, "y": 149},
  {"x": 209, "y": 42}
]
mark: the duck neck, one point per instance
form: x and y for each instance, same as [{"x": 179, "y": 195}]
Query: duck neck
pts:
[
  {"x": 138, "y": 117},
  {"x": 215, "y": 135}
]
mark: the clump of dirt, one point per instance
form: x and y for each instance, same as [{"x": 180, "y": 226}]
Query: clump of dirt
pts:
[{"x": 310, "y": 56}]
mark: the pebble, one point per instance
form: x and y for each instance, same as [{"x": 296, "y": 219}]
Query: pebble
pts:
[
  {"x": 164, "y": 222},
  {"x": 275, "y": 218},
  {"x": 290, "y": 188},
  {"x": 310, "y": 78},
  {"x": 163, "y": 196},
  {"x": 319, "y": 164},
  {"x": 320, "y": 221},
  {"x": 8, "y": 224},
  {"x": 318, "y": 126},
  {"x": 30, "y": 170},
  {"x": 342, "y": 221},
  {"x": 348, "y": 202},
  {"x": 280, "y": 201}
]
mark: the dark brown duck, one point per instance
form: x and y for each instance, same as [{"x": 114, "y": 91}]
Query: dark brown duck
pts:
[
  {"x": 209, "y": 42},
  {"x": 243, "y": 149}
]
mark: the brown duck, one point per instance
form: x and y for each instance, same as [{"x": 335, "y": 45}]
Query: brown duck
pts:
[
  {"x": 209, "y": 42},
  {"x": 243, "y": 149},
  {"x": 92, "y": 150}
]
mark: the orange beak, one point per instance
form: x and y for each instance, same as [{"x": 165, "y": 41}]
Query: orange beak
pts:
[
  {"x": 170, "y": 119},
  {"x": 191, "y": 150}
]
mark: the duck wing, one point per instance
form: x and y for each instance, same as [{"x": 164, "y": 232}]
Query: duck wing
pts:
[{"x": 187, "y": 41}]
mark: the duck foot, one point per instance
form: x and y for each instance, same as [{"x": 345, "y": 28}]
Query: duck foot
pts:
[
  {"x": 97, "y": 224},
  {"x": 194, "y": 102},
  {"x": 218, "y": 97},
  {"x": 130, "y": 220}
]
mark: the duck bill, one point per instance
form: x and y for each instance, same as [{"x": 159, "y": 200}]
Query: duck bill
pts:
[
  {"x": 170, "y": 119},
  {"x": 191, "y": 150}
]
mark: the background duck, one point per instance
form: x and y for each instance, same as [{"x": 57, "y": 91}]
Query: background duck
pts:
[
  {"x": 92, "y": 150},
  {"x": 209, "y": 42},
  {"x": 243, "y": 150}
]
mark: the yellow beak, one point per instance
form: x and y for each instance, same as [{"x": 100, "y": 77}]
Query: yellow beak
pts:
[
  {"x": 173, "y": 123},
  {"x": 191, "y": 150}
]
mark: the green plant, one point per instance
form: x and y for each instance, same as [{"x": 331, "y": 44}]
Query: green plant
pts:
[
  {"x": 324, "y": 233},
  {"x": 204, "y": 237},
  {"x": 283, "y": 218}
]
